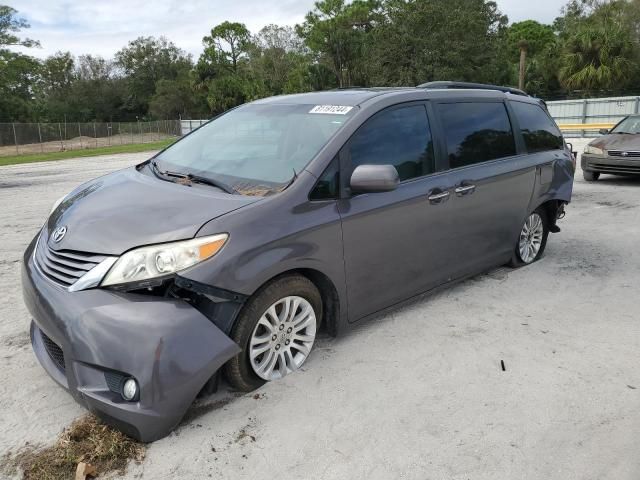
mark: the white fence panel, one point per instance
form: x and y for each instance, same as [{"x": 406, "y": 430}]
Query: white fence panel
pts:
[
  {"x": 187, "y": 126},
  {"x": 592, "y": 110}
]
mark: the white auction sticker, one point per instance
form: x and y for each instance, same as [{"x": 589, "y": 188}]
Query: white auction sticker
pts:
[{"x": 331, "y": 109}]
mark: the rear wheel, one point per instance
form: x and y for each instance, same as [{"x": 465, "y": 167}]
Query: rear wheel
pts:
[
  {"x": 532, "y": 239},
  {"x": 590, "y": 176},
  {"x": 276, "y": 330}
]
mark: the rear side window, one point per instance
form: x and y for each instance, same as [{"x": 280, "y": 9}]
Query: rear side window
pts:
[
  {"x": 539, "y": 132},
  {"x": 400, "y": 137},
  {"x": 476, "y": 132}
]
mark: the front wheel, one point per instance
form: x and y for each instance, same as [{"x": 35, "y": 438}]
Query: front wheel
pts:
[
  {"x": 532, "y": 239},
  {"x": 590, "y": 176},
  {"x": 276, "y": 331}
]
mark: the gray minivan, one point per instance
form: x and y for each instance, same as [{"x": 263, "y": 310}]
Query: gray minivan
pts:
[{"x": 231, "y": 249}]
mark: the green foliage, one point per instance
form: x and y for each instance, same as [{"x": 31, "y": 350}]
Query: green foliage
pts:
[
  {"x": 426, "y": 40},
  {"x": 223, "y": 72},
  {"x": 536, "y": 36},
  {"x": 593, "y": 47},
  {"x": 278, "y": 59},
  {"x": 228, "y": 44},
  {"x": 10, "y": 25},
  {"x": 176, "y": 99},
  {"x": 18, "y": 76},
  {"x": 146, "y": 61},
  {"x": 597, "y": 58},
  {"x": 600, "y": 46},
  {"x": 338, "y": 34},
  {"x": 18, "y": 72}
]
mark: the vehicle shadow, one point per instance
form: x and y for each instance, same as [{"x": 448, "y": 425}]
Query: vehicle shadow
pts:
[
  {"x": 210, "y": 402},
  {"x": 374, "y": 320},
  {"x": 621, "y": 181}
]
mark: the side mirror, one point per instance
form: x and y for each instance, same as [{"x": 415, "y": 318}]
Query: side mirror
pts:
[
  {"x": 603, "y": 131},
  {"x": 374, "y": 178}
]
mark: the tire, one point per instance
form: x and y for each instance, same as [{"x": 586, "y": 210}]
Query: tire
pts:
[
  {"x": 590, "y": 176},
  {"x": 242, "y": 371},
  {"x": 519, "y": 259}
]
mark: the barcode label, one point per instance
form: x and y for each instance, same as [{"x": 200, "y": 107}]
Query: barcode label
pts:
[{"x": 331, "y": 109}]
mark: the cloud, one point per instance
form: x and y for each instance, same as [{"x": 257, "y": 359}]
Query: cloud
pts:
[
  {"x": 103, "y": 27},
  {"x": 544, "y": 11}
]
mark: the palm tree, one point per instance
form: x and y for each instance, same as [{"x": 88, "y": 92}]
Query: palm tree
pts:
[{"x": 597, "y": 57}]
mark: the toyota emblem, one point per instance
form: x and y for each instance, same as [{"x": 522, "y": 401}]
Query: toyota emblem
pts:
[{"x": 59, "y": 233}]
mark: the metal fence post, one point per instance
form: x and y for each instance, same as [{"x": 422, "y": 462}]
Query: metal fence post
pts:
[
  {"x": 61, "y": 142},
  {"x": 80, "y": 135},
  {"x": 40, "y": 138},
  {"x": 15, "y": 138},
  {"x": 584, "y": 114},
  {"x": 636, "y": 105},
  {"x": 95, "y": 133}
]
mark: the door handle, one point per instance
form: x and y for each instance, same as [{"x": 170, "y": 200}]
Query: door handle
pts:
[
  {"x": 464, "y": 190},
  {"x": 439, "y": 197}
]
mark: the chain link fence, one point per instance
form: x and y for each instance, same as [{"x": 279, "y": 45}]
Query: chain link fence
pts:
[{"x": 33, "y": 138}]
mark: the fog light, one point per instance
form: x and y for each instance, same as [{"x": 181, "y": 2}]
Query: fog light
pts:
[{"x": 129, "y": 389}]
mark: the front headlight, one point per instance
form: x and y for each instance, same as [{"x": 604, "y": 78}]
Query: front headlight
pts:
[
  {"x": 145, "y": 263},
  {"x": 589, "y": 149}
]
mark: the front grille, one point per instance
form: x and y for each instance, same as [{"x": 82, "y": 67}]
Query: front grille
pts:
[
  {"x": 64, "y": 267},
  {"x": 624, "y": 153},
  {"x": 608, "y": 168},
  {"x": 54, "y": 351}
]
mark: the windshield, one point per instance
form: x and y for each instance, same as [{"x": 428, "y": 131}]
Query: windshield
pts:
[
  {"x": 256, "y": 149},
  {"x": 628, "y": 125}
]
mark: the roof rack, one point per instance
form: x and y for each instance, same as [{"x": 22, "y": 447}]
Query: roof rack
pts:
[{"x": 473, "y": 86}]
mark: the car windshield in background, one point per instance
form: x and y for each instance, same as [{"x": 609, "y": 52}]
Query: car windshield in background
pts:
[
  {"x": 256, "y": 149},
  {"x": 630, "y": 125}
]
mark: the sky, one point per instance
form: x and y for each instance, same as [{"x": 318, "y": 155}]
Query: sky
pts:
[{"x": 104, "y": 27}]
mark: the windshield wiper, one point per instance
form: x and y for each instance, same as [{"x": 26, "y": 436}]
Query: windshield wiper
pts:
[
  {"x": 193, "y": 178},
  {"x": 211, "y": 181}
]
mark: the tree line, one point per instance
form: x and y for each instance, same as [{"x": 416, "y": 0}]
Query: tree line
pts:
[{"x": 591, "y": 49}]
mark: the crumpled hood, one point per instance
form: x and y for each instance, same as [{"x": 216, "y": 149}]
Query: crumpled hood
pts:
[
  {"x": 127, "y": 209},
  {"x": 618, "y": 142}
]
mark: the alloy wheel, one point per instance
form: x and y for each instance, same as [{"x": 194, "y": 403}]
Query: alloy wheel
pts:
[
  {"x": 282, "y": 338},
  {"x": 531, "y": 238}
]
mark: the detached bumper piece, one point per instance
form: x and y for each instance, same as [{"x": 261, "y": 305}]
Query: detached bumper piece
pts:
[{"x": 91, "y": 342}]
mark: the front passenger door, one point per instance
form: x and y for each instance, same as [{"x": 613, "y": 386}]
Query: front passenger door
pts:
[{"x": 394, "y": 241}]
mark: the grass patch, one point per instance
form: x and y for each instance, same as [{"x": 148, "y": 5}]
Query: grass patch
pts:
[
  {"x": 85, "y": 440},
  {"x": 89, "y": 152}
]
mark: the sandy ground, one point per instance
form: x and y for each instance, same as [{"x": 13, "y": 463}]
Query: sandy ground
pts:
[{"x": 418, "y": 393}]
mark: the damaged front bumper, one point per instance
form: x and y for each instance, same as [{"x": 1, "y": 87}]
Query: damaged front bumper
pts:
[{"x": 90, "y": 341}]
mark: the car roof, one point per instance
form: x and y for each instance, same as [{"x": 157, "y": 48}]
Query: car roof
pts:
[{"x": 358, "y": 96}]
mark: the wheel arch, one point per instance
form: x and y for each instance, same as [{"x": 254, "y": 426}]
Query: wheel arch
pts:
[
  {"x": 328, "y": 292},
  {"x": 550, "y": 208}
]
